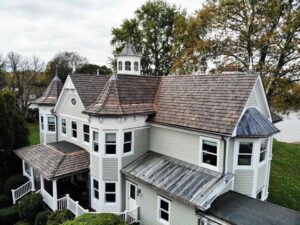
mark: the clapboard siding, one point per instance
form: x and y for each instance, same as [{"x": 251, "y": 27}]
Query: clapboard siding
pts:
[
  {"x": 252, "y": 100},
  {"x": 110, "y": 169},
  {"x": 243, "y": 181},
  {"x": 180, "y": 213},
  {"x": 95, "y": 166},
  {"x": 141, "y": 145},
  {"x": 41, "y": 138},
  {"x": 50, "y": 137},
  {"x": 230, "y": 155},
  {"x": 261, "y": 178}
]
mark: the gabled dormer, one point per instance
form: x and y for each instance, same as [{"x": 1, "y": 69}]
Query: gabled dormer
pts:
[{"x": 129, "y": 61}]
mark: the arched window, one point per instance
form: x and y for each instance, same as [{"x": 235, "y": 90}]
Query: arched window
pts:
[
  {"x": 120, "y": 65},
  {"x": 136, "y": 66},
  {"x": 128, "y": 65}
]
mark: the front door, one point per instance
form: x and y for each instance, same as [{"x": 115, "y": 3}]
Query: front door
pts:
[{"x": 132, "y": 191}]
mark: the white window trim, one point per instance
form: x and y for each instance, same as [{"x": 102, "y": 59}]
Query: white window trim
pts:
[
  {"x": 104, "y": 192},
  {"x": 83, "y": 133},
  {"x": 132, "y": 143},
  {"x": 266, "y": 151},
  {"x": 129, "y": 189},
  {"x": 208, "y": 166},
  {"x": 72, "y": 137},
  {"x": 252, "y": 154},
  {"x": 104, "y": 149},
  {"x": 93, "y": 189},
  {"x": 51, "y": 131},
  {"x": 160, "y": 220},
  {"x": 61, "y": 128},
  {"x": 92, "y": 142}
]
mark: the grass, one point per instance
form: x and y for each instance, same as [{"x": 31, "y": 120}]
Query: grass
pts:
[
  {"x": 284, "y": 187},
  {"x": 34, "y": 134}
]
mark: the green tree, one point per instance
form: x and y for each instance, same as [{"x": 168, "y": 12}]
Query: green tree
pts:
[
  {"x": 93, "y": 69},
  {"x": 64, "y": 62},
  {"x": 151, "y": 31},
  {"x": 14, "y": 133}
]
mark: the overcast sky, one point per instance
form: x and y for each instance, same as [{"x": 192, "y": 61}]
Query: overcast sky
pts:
[{"x": 45, "y": 27}]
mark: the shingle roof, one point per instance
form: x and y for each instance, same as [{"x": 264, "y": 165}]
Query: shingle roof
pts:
[
  {"x": 239, "y": 209},
  {"x": 55, "y": 160},
  {"x": 129, "y": 50},
  {"x": 255, "y": 124},
  {"x": 50, "y": 96},
  {"x": 88, "y": 86},
  {"x": 178, "y": 179},
  {"x": 208, "y": 102},
  {"x": 126, "y": 94}
]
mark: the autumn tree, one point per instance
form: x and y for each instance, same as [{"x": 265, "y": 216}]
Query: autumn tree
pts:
[{"x": 151, "y": 31}]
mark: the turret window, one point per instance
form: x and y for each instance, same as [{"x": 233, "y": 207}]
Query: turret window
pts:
[
  {"x": 136, "y": 66},
  {"x": 245, "y": 154},
  {"x": 263, "y": 149},
  {"x": 120, "y": 65},
  {"x": 86, "y": 133},
  {"x": 128, "y": 65},
  {"x": 110, "y": 144},
  {"x": 51, "y": 123}
]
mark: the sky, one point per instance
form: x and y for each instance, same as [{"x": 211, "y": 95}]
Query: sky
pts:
[{"x": 46, "y": 27}]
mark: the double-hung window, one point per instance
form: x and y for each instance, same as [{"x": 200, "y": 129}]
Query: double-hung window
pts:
[
  {"x": 110, "y": 192},
  {"x": 63, "y": 126},
  {"x": 128, "y": 65},
  {"x": 164, "y": 206},
  {"x": 210, "y": 152},
  {"x": 245, "y": 153},
  {"x": 42, "y": 123},
  {"x": 51, "y": 123},
  {"x": 86, "y": 133},
  {"x": 74, "y": 129},
  {"x": 263, "y": 149},
  {"x": 95, "y": 189},
  {"x": 127, "y": 147},
  {"x": 110, "y": 144},
  {"x": 95, "y": 141}
]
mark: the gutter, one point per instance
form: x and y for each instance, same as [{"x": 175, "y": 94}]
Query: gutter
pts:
[{"x": 56, "y": 124}]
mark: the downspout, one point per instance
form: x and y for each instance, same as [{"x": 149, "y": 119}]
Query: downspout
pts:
[
  {"x": 56, "y": 124},
  {"x": 224, "y": 158}
]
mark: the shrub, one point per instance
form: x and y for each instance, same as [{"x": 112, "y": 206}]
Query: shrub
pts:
[
  {"x": 22, "y": 222},
  {"x": 42, "y": 218},
  {"x": 4, "y": 201},
  {"x": 96, "y": 219},
  {"x": 13, "y": 182},
  {"x": 29, "y": 206},
  {"x": 9, "y": 216},
  {"x": 59, "y": 217}
]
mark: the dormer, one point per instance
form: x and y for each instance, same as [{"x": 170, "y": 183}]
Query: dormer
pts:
[{"x": 129, "y": 61}]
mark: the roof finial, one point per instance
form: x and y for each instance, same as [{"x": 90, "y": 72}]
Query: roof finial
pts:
[{"x": 97, "y": 74}]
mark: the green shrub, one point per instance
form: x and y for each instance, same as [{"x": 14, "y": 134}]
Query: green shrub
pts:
[
  {"x": 29, "y": 206},
  {"x": 9, "y": 216},
  {"x": 12, "y": 183},
  {"x": 4, "y": 201},
  {"x": 22, "y": 222},
  {"x": 59, "y": 217},
  {"x": 96, "y": 219},
  {"x": 42, "y": 218}
]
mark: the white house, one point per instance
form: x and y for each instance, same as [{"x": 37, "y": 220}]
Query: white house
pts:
[{"x": 180, "y": 150}]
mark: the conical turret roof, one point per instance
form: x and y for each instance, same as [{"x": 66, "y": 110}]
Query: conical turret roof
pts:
[{"x": 129, "y": 50}]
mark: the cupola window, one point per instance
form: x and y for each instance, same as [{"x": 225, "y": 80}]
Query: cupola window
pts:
[
  {"x": 136, "y": 66},
  {"x": 120, "y": 65},
  {"x": 128, "y": 65}
]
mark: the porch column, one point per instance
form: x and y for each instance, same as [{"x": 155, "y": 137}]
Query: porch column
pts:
[
  {"x": 54, "y": 188},
  {"x": 32, "y": 179},
  {"x": 23, "y": 167},
  {"x": 42, "y": 182}
]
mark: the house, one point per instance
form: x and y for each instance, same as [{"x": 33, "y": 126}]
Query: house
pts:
[{"x": 156, "y": 150}]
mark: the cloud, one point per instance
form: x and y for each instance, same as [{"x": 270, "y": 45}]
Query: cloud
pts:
[{"x": 45, "y": 27}]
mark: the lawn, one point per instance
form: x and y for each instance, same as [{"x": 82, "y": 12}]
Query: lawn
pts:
[
  {"x": 34, "y": 136},
  {"x": 284, "y": 187}
]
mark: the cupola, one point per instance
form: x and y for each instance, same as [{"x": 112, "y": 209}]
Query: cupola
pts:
[{"x": 129, "y": 61}]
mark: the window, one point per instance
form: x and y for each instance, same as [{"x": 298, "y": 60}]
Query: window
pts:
[
  {"x": 128, "y": 65},
  {"x": 95, "y": 141},
  {"x": 110, "y": 192},
  {"x": 86, "y": 133},
  {"x": 51, "y": 123},
  {"x": 210, "y": 152},
  {"x": 163, "y": 210},
  {"x": 127, "y": 142},
  {"x": 120, "y": 65},
  {"x": 63, "y": 126},
  {"x": 74, "y": 129},
  {"x": 263, "y": 149},
  {"x": 110, "y": 143},
  {"x": 132, "y": 191},
  {"x": 136, "y": 66},
  {"x": 95, "y": 189},
  {"x": 42, "y": 123},
  {"x": 245, "y": 153}
]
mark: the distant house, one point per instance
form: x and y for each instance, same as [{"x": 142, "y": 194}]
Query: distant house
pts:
[{"x": 156, "y": 150}]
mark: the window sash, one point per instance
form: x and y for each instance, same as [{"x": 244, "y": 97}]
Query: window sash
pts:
[
  {"x": 110, "y": 143},
  {"x": 163, "y": 211},
  {"x": 86, "y": 133},
  {"x": 110, "y": 196},
  {"x": 96, "y": 189},
  {"x": 244, "y": 157},
  {"x": 127, "y": 145},
  {"x": 128, "y": 65},
  {"x": 136, "y": 66},
  {"x": 74, "y": 129},
  {"x": 63, "y": 126},
  {"x": 95, "y": 141},
  {"x": 210, "y": 149},
  {"x": 51, "y": 123},
  {"x": 42, "y": 123},
  {"x": 120, "y": 65}
]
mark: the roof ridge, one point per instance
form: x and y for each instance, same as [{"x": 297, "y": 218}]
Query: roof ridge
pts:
[{"x": 59, "y": 164}]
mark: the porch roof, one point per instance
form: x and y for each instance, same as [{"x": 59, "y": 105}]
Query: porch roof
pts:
[{"x": 57, "y": 159}]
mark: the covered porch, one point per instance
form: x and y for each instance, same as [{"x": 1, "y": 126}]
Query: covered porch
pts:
[{"x": 57, "y": 170}]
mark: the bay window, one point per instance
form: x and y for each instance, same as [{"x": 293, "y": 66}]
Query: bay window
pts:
[
  {"x": 110, "y": 144},
  {"x": 51, "y": 123},
  {"x": 245, "y": 153}
]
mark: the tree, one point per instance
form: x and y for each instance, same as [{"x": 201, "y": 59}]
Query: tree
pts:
[
  {"x": 93, "y": 69},
  {"x": 151, "y": 31},
  {"x": 13, "y": 135},
  {"x": 2, "y": 72},
  {"x": 64, "y": 62}
]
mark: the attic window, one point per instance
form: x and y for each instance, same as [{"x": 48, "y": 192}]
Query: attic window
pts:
[{"x": 128, "y": 65}]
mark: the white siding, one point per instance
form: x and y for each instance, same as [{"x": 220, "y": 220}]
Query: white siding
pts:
[
  {"x": 252, "y": 102},
  {"x": 95, "y": 166},
  {"x": 243, "y": 181},
  {"x": 262, "y": 177},
  {"x": 110, "y": 169}
]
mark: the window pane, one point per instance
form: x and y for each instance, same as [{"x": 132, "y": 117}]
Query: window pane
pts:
[
  {"x": 96, "y": 147},
  {"x": 86, "y": 128},
  {"x": 110, "y": 138},
  {"x": 110, "y": 149},
  {"x": 209, "y": 159},
  {"x": 246, "y": 147},
  {"x": 164, "y": 205},
  {"x": 96, "y": 194},
  {"x": 96, "y": 184},
  {"x": 120, "y": 65},
  {"x": 127, "y": 147},
  {"x": 74, "y": 133},
  {"x": 262, "y": 156},
  {"x": 95, "y": 136},
  {"x": 210, "y": 146},
  {"x": 127, "y": 136},
  {"x": 244, "y": 160},
  {"x": 127, "y": 65},
  {"x": 63, "y": 121},
  {"x": 110, "y": 197},
  {"x": 51, "y": 119},
  {"x": 264, "y": 143},
  {"x": 136, "y": 66},
  {"x": 86, "y": 138},
  {"x": 164, "y": 215},
  {"x": 132, "y": 191},
  {"x": 110, "y": 187},
  {"x": 74, "y": 125}
]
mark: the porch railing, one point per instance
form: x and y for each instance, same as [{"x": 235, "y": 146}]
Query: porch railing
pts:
[
  {"x": 68, "y": 203},
  {"x": 21, "y": 191},
  {"x": 132, "y": 216}
]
